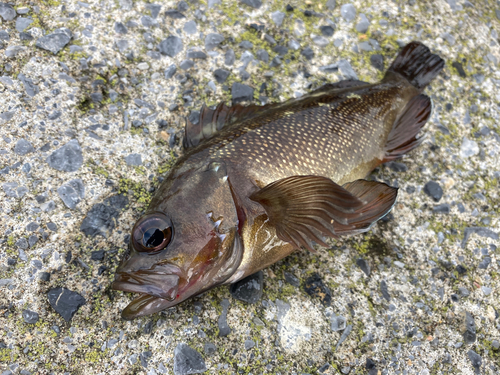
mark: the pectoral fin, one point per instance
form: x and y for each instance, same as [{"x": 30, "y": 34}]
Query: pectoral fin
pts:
[{"x": 304, "y": 209}]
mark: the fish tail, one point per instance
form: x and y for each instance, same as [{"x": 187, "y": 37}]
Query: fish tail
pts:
[{"x": 417, "y": 64}]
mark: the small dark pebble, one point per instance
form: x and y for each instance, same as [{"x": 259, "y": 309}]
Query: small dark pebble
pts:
[
  {"x": 363, "y": 265},
  {"x": 433, "y": 190},
  {"x": 459, "y": 68},
  {"x": 148, "y": 328},
  {"x": 253, "y": 3},
  {"x": 221, "y": 75},
  {"x": 188, "y": 361},
  {"x": 323, "y": 368},
  {"x": 44, "y": 276},
  {"x": 315, "y": 287},
  {"x": 65, "y": 302},
  {"x": 327, "y": 30},
  {"x": 52, "y": 226},
  {"x": 442, "y": 209},
  {"x": 470, "y": 329},
  {"x": 397, "y": 167},
  {"x": 289, "y": 8},
  {"x": 461, "y": 269},
  {"x": 291, "y": 279},
  {"x": 410, "y": 189},
  {"x": 97, "y": 255},
  {"x": 308, "y": 53},
  {"x": 385, "y": 290},
  {"x": 224, "y": 328},
  {"x": 30, "y": 317},
  {"x": 476, "y": 360},
  {"x": 241, "y": 92},
  {"x": 377, "y": 61},
  {"x": 249, "y": 289},
  {"x": 484, "y": 263},
  {"x": 209, "y": 348}
]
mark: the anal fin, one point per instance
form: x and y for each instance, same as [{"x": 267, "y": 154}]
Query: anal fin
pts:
[{"x": 403, "y": 136}]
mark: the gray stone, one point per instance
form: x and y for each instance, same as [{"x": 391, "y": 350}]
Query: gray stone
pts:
[
  {"x": 433, "y": 190},
  {"x": 363, "y": 24},
  {"x": 229, "y": 57},
  {"x": 337, "y": 323},
  {"x": 213, "y": 40},
  {"x": 278, "y": 17},
  {"x": 365, "y": 46},
  {"x": 470, "y": 329},
  {"x": 344, "y": 335},
  {"x": 249, "y": 289},
  {"x": 133, "y": 159},
  {"x": 385, "y": 290},
  {"x": 120, "y": 28},
  {"x": 65, "y": 302},
  {"x": 190, "y": 27},
  {"x": 4, "y": 35},
  {"x": 241, "y": 92},
  {"x": 7, "y": 12},
  {"x": 348, "y": 12},
  {"x": 23, "y": 147},
  {"x": 331, "y": 4},
  {"x": 221, "y": 75},
  {"x": 224, "y": 328},
  {"x": 249, "y": 344},
  {"x": 101, "y": 219},
  {"x": 263, "y": 55},
  {"x": 253, "y": 3},
  {"x": 468, "y": 148},
  {"x": 209, "y": 348},
  {"x": 346, "y": 70},
  {"x": 476, "y": 360},
  {"x": 12, "y": 51},
  {"x": 377, "y": 62},
  {"x": 170, "y": 71},
  {"x": 22, "y": 243},
  {"x": 186, "y": 64},
  {"x": 29, "y": 86},
  {"x": 246, "y": 45},
  {"x": 72, "y": 192},
  {"x": 188, "y": 361},
  {"x": 30, "y": 317},
  {"x": 308, "y": 53},
  {"x": 154, "y": 9},
  {"x": 13, "y": 190},
  {"x": 32, "y": 240},
  {"x": 327, "y": 30},
  {"x": 363, "y": 265},
  {"x": 68, "y": 158},
  {"x": 22, "y": 23},
  {"x": 55, "y": 41},
  {"x": 320, "y": 41},
  {"x": 171, "y": 46},
  {"x": 196, "y": 53}
]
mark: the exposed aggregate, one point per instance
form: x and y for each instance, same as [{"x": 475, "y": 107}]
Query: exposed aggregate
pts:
[{"x": 93, "y": 99}]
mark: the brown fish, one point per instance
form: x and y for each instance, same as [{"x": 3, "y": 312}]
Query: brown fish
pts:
[{"x": 256, "y": 183}]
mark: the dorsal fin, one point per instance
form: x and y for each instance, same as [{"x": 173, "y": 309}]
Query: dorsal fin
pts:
[
  {"x": 339, "y": 85},
  {"x": 213, "y": 120}
]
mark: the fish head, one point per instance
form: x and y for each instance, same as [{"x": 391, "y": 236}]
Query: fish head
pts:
[{"x": 186, "y": 243}]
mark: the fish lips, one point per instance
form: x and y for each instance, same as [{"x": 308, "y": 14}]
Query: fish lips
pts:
[{"x": 160, "y": 281}]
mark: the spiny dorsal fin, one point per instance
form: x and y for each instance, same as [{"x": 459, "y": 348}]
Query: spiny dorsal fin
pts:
[
  {"x": 213, "y": 120},
  {"x": 304, "y": 209}
]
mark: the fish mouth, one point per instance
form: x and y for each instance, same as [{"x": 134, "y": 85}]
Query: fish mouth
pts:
[{"x": 158, "y": 289}]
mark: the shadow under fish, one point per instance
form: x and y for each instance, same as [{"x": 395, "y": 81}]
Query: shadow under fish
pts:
[{"x": 257, "y": 182}]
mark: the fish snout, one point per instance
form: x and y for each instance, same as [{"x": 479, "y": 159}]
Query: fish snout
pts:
[{"x": 160, "y": 281}]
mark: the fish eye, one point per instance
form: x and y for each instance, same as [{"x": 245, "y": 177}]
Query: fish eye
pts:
[{"x": 152, "y": 233}]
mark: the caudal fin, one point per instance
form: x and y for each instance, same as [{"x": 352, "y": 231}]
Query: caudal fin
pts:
[{"x": 417, "y": 64}]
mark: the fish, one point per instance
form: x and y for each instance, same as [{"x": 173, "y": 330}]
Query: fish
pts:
[{"x": 256, "y": 183}]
